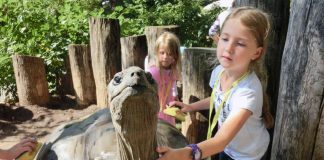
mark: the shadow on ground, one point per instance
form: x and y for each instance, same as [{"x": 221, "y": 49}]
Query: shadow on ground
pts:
[
  {"x": 15, "y": 114},
  {"x": 6, "y": 128},
  {"x": 64, "y": 102}
]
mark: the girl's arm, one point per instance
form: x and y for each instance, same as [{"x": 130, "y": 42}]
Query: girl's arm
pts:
[
  {"x": 225, "y": 134},
  {"x": 200, "y": 105},
  {"x": 209, "y": 147}
]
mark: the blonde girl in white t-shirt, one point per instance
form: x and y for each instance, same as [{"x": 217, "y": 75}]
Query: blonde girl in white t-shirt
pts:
[{"x": 238, "y": 97}]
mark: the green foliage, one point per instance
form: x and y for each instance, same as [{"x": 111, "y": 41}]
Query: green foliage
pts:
[
  {"x": 6, "y": 76},
  {"x": 43, "y": 29},
  {"x": 46, "y": 28},
  {"x": 194, "y": 24}
]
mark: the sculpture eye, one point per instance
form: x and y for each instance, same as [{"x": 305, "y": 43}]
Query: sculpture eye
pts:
[
  {"x": 149, "y": 77},
  {"x": 117, "y": 80}
]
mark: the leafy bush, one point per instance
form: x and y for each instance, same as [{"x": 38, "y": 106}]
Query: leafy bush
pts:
[
  {"x": 46, "y": 28},
  {"x": 194, "y": 24},
  {"x": 43, "y": 29}
]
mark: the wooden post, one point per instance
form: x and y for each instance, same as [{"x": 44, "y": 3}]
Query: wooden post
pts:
[
  {"x": 31, "y": 82},
  {"x": 152, "y": 33},
  {"x": 82, "y": 75},
  {"x": 319, "y": 141},
  {"x": 105, "y": 54},
  {"x": 197, "y": 65},
  {"x": 300, "y": 101},
  {"x": 133, "y": 50}
]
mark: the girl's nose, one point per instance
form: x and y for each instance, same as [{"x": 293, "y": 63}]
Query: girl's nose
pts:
[
  {"x": 229, "y": 51},
  {"x": 165, "y": 56},
  {"x": 229, "y": 48}
]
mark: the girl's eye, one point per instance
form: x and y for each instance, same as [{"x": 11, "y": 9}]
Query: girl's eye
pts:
[
  {"x": 161, "y": 53},
  {"x": 241, "y": 44},
  {"x": 224, "y": 39}
]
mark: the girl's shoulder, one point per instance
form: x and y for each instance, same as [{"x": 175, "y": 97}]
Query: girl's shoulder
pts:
[
  {"x": 218, "y": 68},
  {"x": 251, "y": 84},
  {"x": 216, "y": 71},
  {"x": 214, "y": 75},
  {"x": 155, "y": 72},
  {"x": 252, "y": 81},
  {"x": 153, "y": 69},
  {"x": 248, "y": 94}
]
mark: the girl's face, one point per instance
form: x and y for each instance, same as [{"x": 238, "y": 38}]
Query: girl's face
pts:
[
  {"x": 237, "y": 46},
  {"x": 164, "y": 57}
]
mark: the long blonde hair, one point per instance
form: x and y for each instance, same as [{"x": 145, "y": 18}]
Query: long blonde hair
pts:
[
  {"x": 172, "y": 42},
  {"x": 259, "y": 25}
]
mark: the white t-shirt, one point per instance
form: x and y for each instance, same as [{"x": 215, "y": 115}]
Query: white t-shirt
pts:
[{"x": 252, "y": 141}]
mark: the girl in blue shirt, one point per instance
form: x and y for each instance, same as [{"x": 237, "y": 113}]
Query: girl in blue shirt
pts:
[{"x": 238, "y": 94}]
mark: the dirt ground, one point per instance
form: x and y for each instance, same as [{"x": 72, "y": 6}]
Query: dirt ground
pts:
[{"x": 17, "y": 122}]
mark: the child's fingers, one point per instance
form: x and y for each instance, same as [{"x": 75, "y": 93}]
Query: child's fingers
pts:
[
  {"x": 25, "y": 145},
  {"x": 22, "y": 149},
  {"x": 162, "y": 150},
  {"x": 30, "y": 145},
  {"x": 28, "y": 139},
  {"x": 172, "y": 103},
  {"x": 176, "y": 103}
]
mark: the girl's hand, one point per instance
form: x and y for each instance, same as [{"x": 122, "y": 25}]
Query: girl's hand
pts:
[
  {"x": 26, "y": 145},
  {"x": 184, "y": 107},
  {"x": 172, "y": 154}
]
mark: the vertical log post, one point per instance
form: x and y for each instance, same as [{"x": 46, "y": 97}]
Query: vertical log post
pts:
[
  {"x": 31, "y": 82},
  {"x": 300, "y": 100},
  {"x": 133, "y": 50},
  {"x": 105, "y": 54},
  {"x": 319, "y": 141},
  {"x": 82, "y": 75},
  {"x": 197, "y": 65},
  {"x": 152, "y": 33}
]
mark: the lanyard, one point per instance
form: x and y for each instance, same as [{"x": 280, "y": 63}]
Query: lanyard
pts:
[
  {"x": 212, "y": 125},
  {"x": 164, "y": 95}
]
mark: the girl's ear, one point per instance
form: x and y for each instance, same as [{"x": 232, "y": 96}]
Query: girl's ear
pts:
[{"x": 258, "y": 53}]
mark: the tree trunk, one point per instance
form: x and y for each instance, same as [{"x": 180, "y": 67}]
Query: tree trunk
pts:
[
  {"x": 31, "y": 83},
  {"x": 300, "y": 102},
  {"x": 82, "y": 75},
  {"x": 319, "y": 142},
  {"x": 152, "y": 33},
  {"x": 105, "y": 54},
  {"x": 197, "y": 66},
  {"x": 133, "y": 50}
]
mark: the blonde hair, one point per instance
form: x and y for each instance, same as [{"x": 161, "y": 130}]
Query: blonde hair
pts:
[
  {"x": 172, "y": 43},
  {"x": 258, "y": 23}
]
